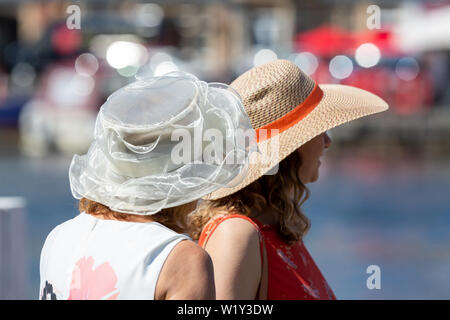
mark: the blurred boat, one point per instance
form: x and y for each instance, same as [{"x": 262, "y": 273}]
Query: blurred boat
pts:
[{"x": 61, "y": 114}]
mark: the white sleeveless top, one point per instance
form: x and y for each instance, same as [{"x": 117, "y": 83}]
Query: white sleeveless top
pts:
[{"x": 91, "y": 258}]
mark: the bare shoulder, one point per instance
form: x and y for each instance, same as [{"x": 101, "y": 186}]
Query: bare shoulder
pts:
[
  {"x": 186, "y": 274},
  {"x": 235, "y": 231},
  {"x": 190, "y": 255},
  {"x": 235, "y": 251}
]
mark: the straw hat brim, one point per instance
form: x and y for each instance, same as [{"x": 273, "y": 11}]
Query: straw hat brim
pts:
[{"x": 339, "y": 104}]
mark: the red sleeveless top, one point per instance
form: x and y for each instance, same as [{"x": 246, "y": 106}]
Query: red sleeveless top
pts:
[{"x": 292, "y": 272}]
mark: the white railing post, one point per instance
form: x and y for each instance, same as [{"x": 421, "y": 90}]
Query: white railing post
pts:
[{"x": 13, "y": 260}]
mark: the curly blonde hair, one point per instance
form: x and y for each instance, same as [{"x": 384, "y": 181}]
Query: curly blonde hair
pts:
[
  {"x": 174, "y": 218},
  {"x": 282, "y": 194}
]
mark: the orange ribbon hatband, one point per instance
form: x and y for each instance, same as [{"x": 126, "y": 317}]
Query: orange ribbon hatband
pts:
[{"x": 292, "y": 117}]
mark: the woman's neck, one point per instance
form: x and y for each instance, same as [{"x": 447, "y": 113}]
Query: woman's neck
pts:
[{"x": 267, "y": 216}]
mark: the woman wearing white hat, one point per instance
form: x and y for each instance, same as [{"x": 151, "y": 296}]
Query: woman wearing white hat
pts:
[
  {"x": 254, "y": 231},
  {"x": 128, "y": 241}
]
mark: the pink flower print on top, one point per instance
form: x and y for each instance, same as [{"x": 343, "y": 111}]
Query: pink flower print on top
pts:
[{"x": 93, "y": 284}]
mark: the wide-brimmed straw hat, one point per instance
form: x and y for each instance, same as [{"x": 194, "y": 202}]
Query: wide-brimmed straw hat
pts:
[
  {"x": 137, "y": 163},
  {"x": 287, "y": 109}
]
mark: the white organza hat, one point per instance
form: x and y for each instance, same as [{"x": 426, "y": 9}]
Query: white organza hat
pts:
[{"x": 164, "y": 141}]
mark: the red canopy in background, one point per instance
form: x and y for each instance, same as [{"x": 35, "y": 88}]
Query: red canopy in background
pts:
[
  {"x": 383, "y": 39},
  {"x": 328, "y": 41},
  {"x": 405, "y": 96}
]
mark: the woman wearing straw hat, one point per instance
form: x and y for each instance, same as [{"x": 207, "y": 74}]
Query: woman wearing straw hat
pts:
[
  {"x": 254, "y": 231},
  {"x": 135, "y": 194}
]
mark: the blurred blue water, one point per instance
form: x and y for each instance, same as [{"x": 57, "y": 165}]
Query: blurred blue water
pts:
[{"x": 394, "y": 214}]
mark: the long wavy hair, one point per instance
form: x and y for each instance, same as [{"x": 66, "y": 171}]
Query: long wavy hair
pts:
[
  {"x": 175, "y": 218},
  {"x": 281, "y": 194}
]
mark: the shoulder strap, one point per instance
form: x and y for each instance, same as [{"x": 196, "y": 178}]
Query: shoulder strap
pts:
[{"x": 212, "y": 226}]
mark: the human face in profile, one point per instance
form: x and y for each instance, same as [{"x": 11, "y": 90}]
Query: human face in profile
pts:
[{"x": 310, "y": 154}]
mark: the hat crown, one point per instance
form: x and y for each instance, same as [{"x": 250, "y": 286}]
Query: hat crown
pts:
[
  {"x": 150, "y": 104},
  {"x": 151, "y": 149},
  {"x": 272, "y": 90}
]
